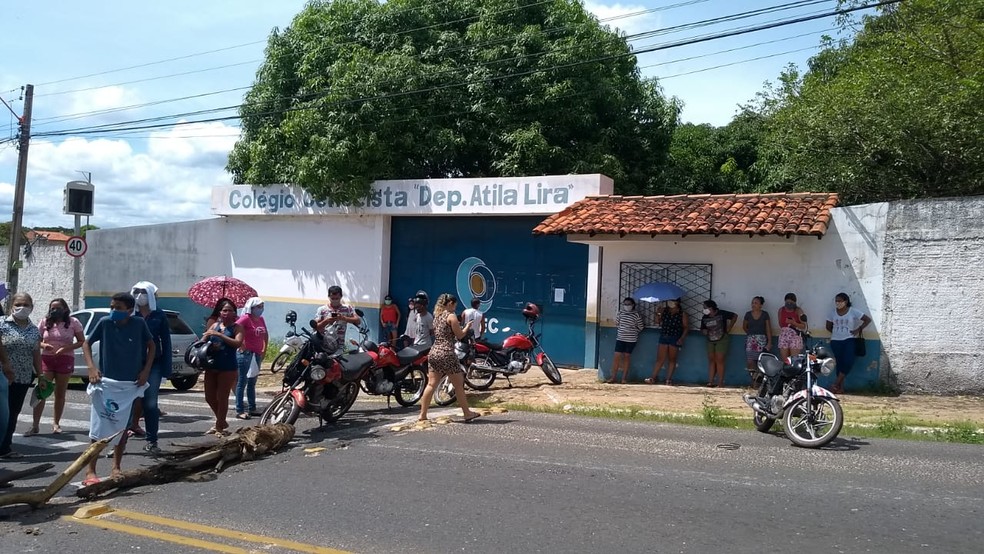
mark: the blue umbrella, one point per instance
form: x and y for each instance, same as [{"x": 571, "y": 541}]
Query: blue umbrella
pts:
[{"x": 657, "y": 292}]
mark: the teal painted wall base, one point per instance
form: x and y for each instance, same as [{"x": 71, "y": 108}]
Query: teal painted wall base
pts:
[
  {"x": 591, "y": 344},
  {"x": 692, "y": 361}
]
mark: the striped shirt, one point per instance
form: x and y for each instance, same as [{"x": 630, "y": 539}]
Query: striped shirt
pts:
[{"x": 629, "y": 325}]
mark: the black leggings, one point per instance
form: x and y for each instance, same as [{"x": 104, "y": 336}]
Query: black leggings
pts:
[{"x": 18, "y": 392}]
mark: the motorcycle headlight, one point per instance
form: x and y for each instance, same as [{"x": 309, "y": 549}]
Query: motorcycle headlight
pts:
[
  {"x": 318, "y": 373},
  {"x": 828, "y": 366}
]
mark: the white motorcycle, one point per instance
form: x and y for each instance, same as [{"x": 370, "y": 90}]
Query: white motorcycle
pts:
[{"x": 293, "y": 343}]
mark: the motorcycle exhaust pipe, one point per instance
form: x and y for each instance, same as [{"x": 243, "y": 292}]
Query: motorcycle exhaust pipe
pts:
[{"x": 756, "y": 406}]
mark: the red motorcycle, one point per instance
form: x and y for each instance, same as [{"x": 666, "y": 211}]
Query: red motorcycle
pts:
[
  {"x": 402, "y": 373},
  {"x": 486, "y": 360}
]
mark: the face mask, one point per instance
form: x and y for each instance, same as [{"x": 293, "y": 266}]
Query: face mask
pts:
[
  {"x": 387, "y": 302},
  {"x": 257, "y": 311},
  {"x": 707, "y": 311},
  {"x": 790, "y": 305},
  {"x": 118, "y": 315},
  {"x": 628, "y": 307},
  {"x": 55, "y": 313},
  {"x": 142, "y": 299},
  {"x": 22, "y": 312},
  {"x": 840, "y": 305},
  {"x": 672, "y": 304}
]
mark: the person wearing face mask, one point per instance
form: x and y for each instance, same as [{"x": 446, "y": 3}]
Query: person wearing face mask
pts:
[
  {"x": 420, "y": 324},
  {"x": 126, "y": 354},
  {"x": 335, "y": 311},
  {"x": 846, "y": 325},
  {"x": 227, "y": 336},
  {"x": 758, "y": 337},
  {"x": 716, "y": 326},
  {"x": 389, "y": 319},
  {"x": 61, "y": 335},
  {"x": 22, "y": 341},
  {"x": 254, "y": 347},
  {"x": 673, "y": 325},
  {"x": 628, "y": 324},
  {"x": 792, "y": 321},
  {"x": 145, "y": 298}
]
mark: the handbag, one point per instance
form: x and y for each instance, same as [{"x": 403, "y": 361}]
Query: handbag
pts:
[
  {"x": 254, "y": 368},
  {"x": 860, "y": 349}
]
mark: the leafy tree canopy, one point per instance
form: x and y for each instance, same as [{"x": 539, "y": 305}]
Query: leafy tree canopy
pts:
[
  {"x": 356, "y": 90},
  {"x": 896, "y": 113}
]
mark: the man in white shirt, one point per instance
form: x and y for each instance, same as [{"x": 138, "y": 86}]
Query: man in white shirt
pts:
[
  {"x": 420, "y": 324},
  {"x": 475, "y": 318}
]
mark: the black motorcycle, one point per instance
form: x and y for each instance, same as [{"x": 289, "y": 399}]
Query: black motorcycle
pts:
[
  {"x": 811, "y": 415},
  {"x": 321, "y": 379}
]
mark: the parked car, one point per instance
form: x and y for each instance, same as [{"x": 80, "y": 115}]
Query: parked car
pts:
[{"x": 183, "y": 376}]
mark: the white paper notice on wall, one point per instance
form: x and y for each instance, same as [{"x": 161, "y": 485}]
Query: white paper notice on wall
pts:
[{"x": 559, "y": 295}]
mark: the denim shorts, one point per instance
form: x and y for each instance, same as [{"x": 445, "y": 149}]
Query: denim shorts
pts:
[{"x": 624, "y": 347}]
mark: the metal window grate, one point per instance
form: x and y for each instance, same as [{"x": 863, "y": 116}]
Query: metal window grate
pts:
[{"x": 693, "y": 278}]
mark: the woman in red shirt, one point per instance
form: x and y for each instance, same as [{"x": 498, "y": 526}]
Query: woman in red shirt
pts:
[{"x": 791, "y": 320}]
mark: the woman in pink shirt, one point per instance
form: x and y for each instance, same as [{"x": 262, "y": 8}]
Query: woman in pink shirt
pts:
[
  {"x": 254, "y": 348},
  {"x": 61, "y": 334}
]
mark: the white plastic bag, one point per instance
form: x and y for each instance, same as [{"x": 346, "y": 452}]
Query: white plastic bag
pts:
[
  {"x": 254, "y": 368},
  {"x": 111, "y": 402}
]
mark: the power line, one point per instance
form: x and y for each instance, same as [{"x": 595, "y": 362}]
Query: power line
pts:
[
  {"x": 668, "y": 30},
  {"x": 665, "y": 46},
  {"x": 82, "y": 115},
  {"x": 144, "y": 80}
]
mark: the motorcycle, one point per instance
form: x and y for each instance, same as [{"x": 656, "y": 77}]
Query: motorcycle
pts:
[
  {"x": 321, "y": 379},
  {"x": 293, "y": 343},
  {"x": 811, "y": 415},
  {"x": 401, "y": 374},
  {"x": 515, "y": 355}
]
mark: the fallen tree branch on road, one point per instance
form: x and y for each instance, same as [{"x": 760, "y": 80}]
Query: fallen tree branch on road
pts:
[
  {"x": 36, "y": 499},
  {"x": 247, "y": 444}
]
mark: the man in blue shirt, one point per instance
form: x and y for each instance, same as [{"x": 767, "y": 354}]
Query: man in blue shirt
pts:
[{"x": 126, "y": 353}]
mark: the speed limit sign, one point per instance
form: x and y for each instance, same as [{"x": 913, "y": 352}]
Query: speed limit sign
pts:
[{"x": 76, "y": 247}]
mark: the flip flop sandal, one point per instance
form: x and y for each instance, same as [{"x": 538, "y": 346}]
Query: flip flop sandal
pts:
[
  {"x": 471, "y": 419},
  {"x": 31, "y": 432},
  {"x": 91, "y": 481}
]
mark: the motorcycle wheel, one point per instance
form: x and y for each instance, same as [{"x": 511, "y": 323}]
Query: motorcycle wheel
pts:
[
  {"x": 444, "y": 392},
  {"x": 410, "y": 390},
  {"x": 763, "y": 424},
  {"x": 347, "y": 396},
  {"x": 550, "y": 370},
  {"x": 479, "y": 379},
  {"x": 827, "y": 420},
  {"x": 283, "y": 409},
  {"x": 280, "y": 362}
]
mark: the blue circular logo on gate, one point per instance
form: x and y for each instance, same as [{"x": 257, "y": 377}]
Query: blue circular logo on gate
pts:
[{"x": 475, "y": 280}]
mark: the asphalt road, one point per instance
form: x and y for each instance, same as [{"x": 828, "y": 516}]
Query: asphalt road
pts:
[{"x": 521, "y": 482}]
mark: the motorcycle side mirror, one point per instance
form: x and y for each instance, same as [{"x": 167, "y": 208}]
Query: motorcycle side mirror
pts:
[
  {"x": 360, "y": 313},
  {"x": 313, "y": 323}
]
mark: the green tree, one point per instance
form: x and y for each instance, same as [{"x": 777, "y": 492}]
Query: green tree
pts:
[
  {"x": 895, "y": 113},
  {"x": 356, "y": 90}
]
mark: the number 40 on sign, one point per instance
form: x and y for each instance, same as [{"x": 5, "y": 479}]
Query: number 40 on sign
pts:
[{"x": 76, "y": 246}]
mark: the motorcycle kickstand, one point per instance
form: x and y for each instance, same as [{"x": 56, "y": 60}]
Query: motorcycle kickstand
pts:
[
  {"x": 388, "y": 396},
  {"x": 508, "y": 382}
]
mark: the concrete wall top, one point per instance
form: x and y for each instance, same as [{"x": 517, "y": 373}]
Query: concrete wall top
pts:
[{"x": 499, "y": 195}]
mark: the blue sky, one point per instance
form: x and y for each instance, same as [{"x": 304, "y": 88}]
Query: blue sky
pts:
[{"x": 166, "y": 174}]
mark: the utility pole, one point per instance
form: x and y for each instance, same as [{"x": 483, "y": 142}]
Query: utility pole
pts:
[
  {"x": 76, "y": 260},
  {"x": 13, "y": 259}
]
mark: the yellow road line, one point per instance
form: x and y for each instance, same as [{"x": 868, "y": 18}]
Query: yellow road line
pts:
[
  {"x": 226, "y": 533},
  {"x": 158, "y": 535}
]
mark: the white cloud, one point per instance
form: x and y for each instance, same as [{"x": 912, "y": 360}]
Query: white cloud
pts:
[
  {"x": 171, "y": 181},
  {"x": 629, "y": 25}
]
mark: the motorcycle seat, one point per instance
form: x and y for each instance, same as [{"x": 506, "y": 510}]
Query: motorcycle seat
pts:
[
  {"x": 491, "y": 345},
  {"x": 770, "y": 364},
  {"x": 409, "y": 354},
  {"x": 354, "y": 364}
]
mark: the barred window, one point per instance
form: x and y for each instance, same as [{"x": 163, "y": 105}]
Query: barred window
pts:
[{"x": 693, "y": 278}]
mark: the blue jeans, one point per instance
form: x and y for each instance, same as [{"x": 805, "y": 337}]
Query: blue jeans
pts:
[
  {"x": 151, "y": 411},
  {"x": 246, "y": 384}
]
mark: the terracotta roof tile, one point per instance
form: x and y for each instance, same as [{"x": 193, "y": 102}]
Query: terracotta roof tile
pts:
[
  {"x": 724, "y": 214},
  {"x": 54, "y": 236}
]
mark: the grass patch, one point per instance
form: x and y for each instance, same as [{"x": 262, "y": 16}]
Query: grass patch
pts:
[{"x": 889, "y": 426}]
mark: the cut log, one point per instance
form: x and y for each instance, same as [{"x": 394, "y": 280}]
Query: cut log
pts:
[
  {"x": 38, "y": 498},
  {"x": 15, "y": 475},
  {"x": 245, "y": 445}
]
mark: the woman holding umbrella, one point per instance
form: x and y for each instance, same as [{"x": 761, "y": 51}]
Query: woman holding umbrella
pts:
[{"x": 227, "y": 336}]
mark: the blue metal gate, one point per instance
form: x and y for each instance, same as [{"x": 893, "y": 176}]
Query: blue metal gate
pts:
[{"x": 498, "y": 260}]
